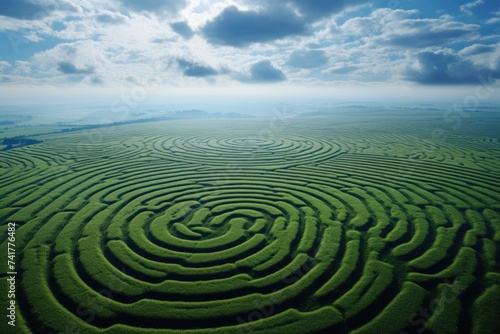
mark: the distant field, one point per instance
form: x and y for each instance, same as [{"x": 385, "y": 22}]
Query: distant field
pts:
[{"x": 365, "y": 223}]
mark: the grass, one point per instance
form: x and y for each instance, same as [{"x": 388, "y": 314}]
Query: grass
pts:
[
  {"x": 201, "y": 227},
  {"x": 398, "y": 314},
  {"x": 486, "y": 311}
]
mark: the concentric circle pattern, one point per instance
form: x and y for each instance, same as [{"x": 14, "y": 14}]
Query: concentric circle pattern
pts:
[
  {"x": 231, "y": 233},
  {"x": 248, "y": 152}
]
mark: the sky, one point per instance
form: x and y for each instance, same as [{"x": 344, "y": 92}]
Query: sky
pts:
[{"x": 358, "y": 49}]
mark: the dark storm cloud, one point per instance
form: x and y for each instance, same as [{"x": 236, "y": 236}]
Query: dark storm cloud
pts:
[
  {"x": 155, "y": 6},
  {"x": 240, "y": 28},
  {"x": 21, "y": 9},
  {"x": 69, "y": 68},
  {"x": 439, "y": 68},
  {"x": 110, "y": 19},
  {"x": 308, "y": 59},
  {"x": 264, "y": 72},
  {"x": 183, "y": 29},
  {"x": 192, "y": 69},
  {"x": 423, "y": 33}
]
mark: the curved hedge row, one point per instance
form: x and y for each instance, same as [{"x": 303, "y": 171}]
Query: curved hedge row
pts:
[{"x": 221, "y": 233}]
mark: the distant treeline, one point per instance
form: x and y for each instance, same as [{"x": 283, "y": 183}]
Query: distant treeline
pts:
[
  {"x": 107, "y": 125},
  {"x": 18, "y": 142},
  {"x": 13, "y": 119},
  {"x": 183, "y": 114}
]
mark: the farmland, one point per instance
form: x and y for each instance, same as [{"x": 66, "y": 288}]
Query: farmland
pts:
[{"x": 349, "y": 223}]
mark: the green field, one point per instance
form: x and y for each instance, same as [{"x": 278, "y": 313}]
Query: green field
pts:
[{"x": 383, "y": 222}]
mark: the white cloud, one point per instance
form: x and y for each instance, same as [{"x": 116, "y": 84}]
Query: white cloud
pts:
[
  {"x": 360, "y": 26},
  {"x": 493, "y": 20},
  {"x": 4, "y": 64},
  {"x": 74, "y": 30},
  {"x": 483, "y": 55},
  {"x": 374, "y": 23},
  {"x": 109, "y": 17},
  {"x": 82, "y": 55},
  {"x": 394, "y": 28},
  {"x": 21, "y": 68},
  {"x": 110, "y": 46},
  {"x": 376, "y": 47},
  {"x": 468, "y": 6}
]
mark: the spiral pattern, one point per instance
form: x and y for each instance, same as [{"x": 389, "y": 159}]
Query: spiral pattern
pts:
[{"x": 230, "y": 234}]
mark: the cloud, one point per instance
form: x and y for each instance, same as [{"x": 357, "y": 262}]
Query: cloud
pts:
[
  {"x": 376, "y": 21},
  {"x": 76, "y": 59},
  {"x": 4, "y": 64},
  {"x": 240, "y": 28},
  {"x": 155, "y": 6},
  {"x": 130, "y": 79},
  {"x": 360, "y": 26},
  {"x": 264, "y": 72},
  {"x": 308, "y": 59},
  {"x": 343, "y": 69},
  {"x": 493, "y": 20},
  {"x": 65, "y": 6},
  {"x": 445, "y": 68},
  {"x": 96, "y": 81},
  {"x": 69, "y": 68},
  {"x": 192, "y": 69},
  {"x": 21, "y": 68},
  {"x": 311, "y": 10},
  {"x": 323, "y": 8},
  {"x": 183, "y": 29},
  {"x": 421, "y": 33},
  {"x": 22, "y": 9},
  {"x": 34, "y": 9},
  {"x": 468, "y": 6},
  {"x": 386, "y": 27},
  {"x": 110, "y": 18},
  {"x": 484, "y": 56},
  {"x": 120, "y": 39},
  {"x": 162, "y": 40},
  {"x": 476, "y": 49}
]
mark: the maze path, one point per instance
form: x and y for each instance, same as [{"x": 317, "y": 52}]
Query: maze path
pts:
[
  {"x": 160, "y": 236},
  {"x": 246, "y": 152}
]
